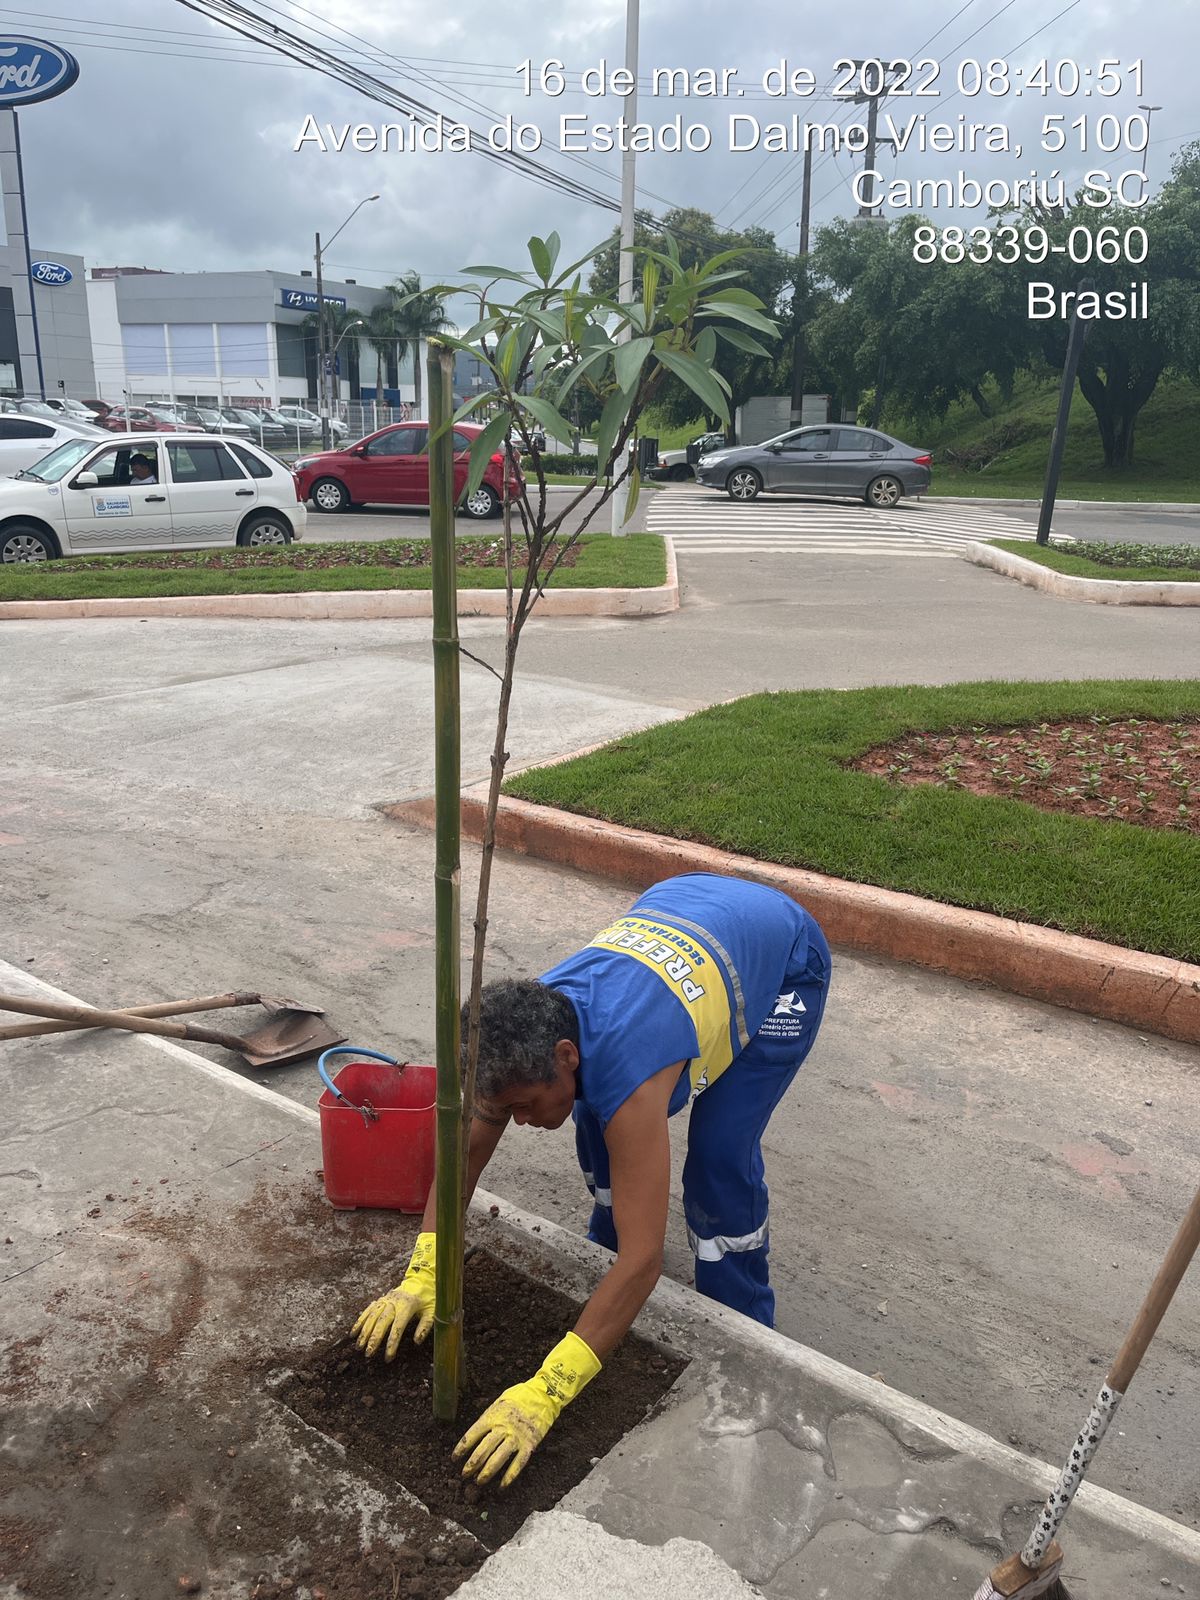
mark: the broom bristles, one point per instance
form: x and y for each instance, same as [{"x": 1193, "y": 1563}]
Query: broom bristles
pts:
[{"x": 1057, "y": 1591}]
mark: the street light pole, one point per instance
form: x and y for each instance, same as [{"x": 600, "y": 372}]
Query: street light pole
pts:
[
  {"x": 1149, "y": 110},
  {"x": 628, "y": 194},
  {"x": 322, "y": 358}
]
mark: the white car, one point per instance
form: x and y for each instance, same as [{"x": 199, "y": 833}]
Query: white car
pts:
[
  {"x": 26, "y": 439},
  {"x": 147, "y": 491},
  {"x": 310, "y": 422},
  {"x": 71, "y": 410}
]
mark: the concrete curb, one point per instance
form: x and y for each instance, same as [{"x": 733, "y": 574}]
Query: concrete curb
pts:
[
  {"x": 1100, "y": 591},
  {"x": 1154, "y": 993},
  {"x": 360, "y": 605},
  {"x": 1065, "y": 505}
]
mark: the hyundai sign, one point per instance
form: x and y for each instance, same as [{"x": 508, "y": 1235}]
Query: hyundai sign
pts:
[
  {"x": 51, "y": 273},
  {"x": 32, "y": 70},
  {"x": 306, "y": 300}
]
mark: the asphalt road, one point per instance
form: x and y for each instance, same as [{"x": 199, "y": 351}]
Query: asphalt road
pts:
[
  {"x": 1147, "y": 525},
  {"x": 968, "y": 1189}
]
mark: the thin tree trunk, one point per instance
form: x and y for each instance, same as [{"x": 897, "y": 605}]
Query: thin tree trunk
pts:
[
  {"x": 416, "y": 346},
  {"x": 980, "y": 400}
]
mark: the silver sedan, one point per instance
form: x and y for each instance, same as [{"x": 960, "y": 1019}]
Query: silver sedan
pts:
[{"x": 826, "y": 460}]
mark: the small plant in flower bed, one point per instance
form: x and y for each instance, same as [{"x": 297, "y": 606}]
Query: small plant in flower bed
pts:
[
  {"x": 1122, "y": 768},
  {"x": 1186, "y": 557},
  {"x": 313, "y": 557}
]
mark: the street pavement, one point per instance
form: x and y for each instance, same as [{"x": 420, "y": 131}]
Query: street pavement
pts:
[
  {"x": 703, "y": 518},
  {"x": 968, "y": 1189}
]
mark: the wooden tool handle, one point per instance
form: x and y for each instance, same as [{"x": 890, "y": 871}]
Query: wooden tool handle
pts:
[
  {"x": 89, "y": 1017},
  {"x": 1145, "y": 1324},
  {"x": 162, "y": 1008}
]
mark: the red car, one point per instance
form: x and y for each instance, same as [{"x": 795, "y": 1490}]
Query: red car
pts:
[
  {"x": 391, "y": 467},
  {"x": 140, "y": 421}
]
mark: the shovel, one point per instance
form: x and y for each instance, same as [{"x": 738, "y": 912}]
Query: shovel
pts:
[{"x": 292, "y": 1032}]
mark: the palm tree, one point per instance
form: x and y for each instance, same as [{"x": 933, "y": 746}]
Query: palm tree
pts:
[
  {"x": 337, "y": 320},
  {"x": 381, "y": 336},
  {"x": 416, "y": 317}
]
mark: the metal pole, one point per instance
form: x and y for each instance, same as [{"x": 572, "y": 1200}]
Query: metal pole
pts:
[
  {"x": 1149, "y": 110},
  {"x": 322, "y": 385},
  {"x": 628, "y": 194},
  {"x": 29, "y": 285},
  {"x": 1080, "y": 328},
  {"x": 798, "y": 340}
]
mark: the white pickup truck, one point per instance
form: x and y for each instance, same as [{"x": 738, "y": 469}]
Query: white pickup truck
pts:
[{"x": 675, "y": 466}]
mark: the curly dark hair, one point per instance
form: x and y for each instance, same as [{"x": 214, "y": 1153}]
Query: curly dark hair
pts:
[{"x": 520, "y": 1022}]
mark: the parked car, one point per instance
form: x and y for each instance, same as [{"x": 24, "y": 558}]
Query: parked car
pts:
[
  {"x": 84, "y": 497},
  {"x": 825, "y": 460},
  {"x": 214, "y": 421},
  {"x": 391, "y": 467},
  {"x": 66, "y": 407},
  {"x": 136, "y": 419},
  {"x": 262, "y": 429},
  {"x": 675, "y": 466},
  {"x": 178, "y": 413},
  {"x": 25, "y": 439},
  {"x": 338, "y": 430}
]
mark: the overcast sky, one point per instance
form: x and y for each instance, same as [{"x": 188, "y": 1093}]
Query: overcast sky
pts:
[{"x": 175, "y": 148}]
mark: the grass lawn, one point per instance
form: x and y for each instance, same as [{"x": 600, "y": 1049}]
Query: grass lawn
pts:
[
  {"x": 1080, "y": 566},
  {"x": 1166, "y": 464},
  {"x": 765, "y": 776},
  {"x": 635, "y": 562}
]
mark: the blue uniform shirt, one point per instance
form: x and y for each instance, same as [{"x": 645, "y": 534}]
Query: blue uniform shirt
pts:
[{"x": 690, "y": 973}]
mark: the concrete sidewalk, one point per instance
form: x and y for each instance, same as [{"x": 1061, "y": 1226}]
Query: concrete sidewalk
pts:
[{"x": 166, "y": 1235}]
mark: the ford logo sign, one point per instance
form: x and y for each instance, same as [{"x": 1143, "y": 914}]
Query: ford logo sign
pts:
[
  {"x": 32, "y": 70},
  {"x": 51, "y": 272}
]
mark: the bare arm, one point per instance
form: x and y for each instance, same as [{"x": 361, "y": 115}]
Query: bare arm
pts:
[
  {"x": 639, "y": 1155},
  {"x": 487, "y": 1127}
]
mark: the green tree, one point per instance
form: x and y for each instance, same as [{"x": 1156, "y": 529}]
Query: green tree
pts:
[
  {"x": 767, "y": 273},
  {"x": 417, "y": 314},
  {"x": 1123, "y": 360},
  {"x": 337, "y": 320},
  {"x": 921, "y": 335},
  {"x": 383, "y": 339}
]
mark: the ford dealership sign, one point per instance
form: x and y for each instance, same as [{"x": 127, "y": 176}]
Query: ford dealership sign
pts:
[
  {"x": 50, "y": 272},
  {"x": 32, "y": 70}
]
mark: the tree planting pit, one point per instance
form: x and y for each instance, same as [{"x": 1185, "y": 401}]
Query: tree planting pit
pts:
[{"x": 381, "y": 1414}]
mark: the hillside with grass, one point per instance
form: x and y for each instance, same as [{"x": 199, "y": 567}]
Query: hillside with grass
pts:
[{"x": 1005, "y": 454}]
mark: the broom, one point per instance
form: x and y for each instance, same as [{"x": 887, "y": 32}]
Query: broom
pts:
[{"x": 1035, "y": 1573}]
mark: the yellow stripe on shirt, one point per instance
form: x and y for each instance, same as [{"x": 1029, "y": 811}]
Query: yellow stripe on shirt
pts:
[{"x": 691, "y": 975}]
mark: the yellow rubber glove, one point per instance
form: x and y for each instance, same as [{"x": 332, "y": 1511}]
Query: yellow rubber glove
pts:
[
  {"x": 513, "y": 1426},
  {"x": 392, "y": 1313}
]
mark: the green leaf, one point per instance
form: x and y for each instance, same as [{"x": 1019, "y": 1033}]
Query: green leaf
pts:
[
  {"x": 494, "y": 272},
  {"x": 581, "y": 369},
  {"x": 553, "y": 246},
  {"x": 611, "y": 418},
  {"x": 540, "y": 257},
  {"x": 705, "y": 348},
  {"x": 715, "y": 263},
  {"x": 650, "y": 278},
  {"x": 635, "y": 488},
  {"x": 582, "y": 262},
  {"x": 629, "y": 361},
  {"x": 703, "y": 383},
  {"x": 741, "y": 341},
  {"x": 472, "y": 404},
  {"x": 550, "y": 419},
  {"x": 739, "y": 297},
  {"x": 484, "y": 448},
  {"x": 752, "y": 319}
]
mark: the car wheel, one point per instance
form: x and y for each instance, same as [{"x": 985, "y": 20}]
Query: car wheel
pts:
[
  {"x": 264, "y": 529},
  {"x": 20, "y": 541},
  {"x": 484, "y": 502},
  {"x": 883, "y": 493},
  {"x": 744, "y": 484},
  {"x": 680, "y": 473},
  {"x": 327, "y": 494}
]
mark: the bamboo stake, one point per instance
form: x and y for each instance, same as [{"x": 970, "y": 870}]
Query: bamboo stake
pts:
[{"x": 448, "y": 1310}]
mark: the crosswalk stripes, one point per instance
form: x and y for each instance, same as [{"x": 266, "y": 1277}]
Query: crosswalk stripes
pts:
[{"x": 703, "y": 522}]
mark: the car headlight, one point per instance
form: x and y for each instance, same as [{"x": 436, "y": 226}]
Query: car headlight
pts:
[{"x": 304, "y": 461}]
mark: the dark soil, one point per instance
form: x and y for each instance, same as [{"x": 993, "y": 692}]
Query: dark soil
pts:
[
  {"x": 382, "y": 1413},
  {"x": 1125, "y": 770},
  {"x": 470, "y": 552}
]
